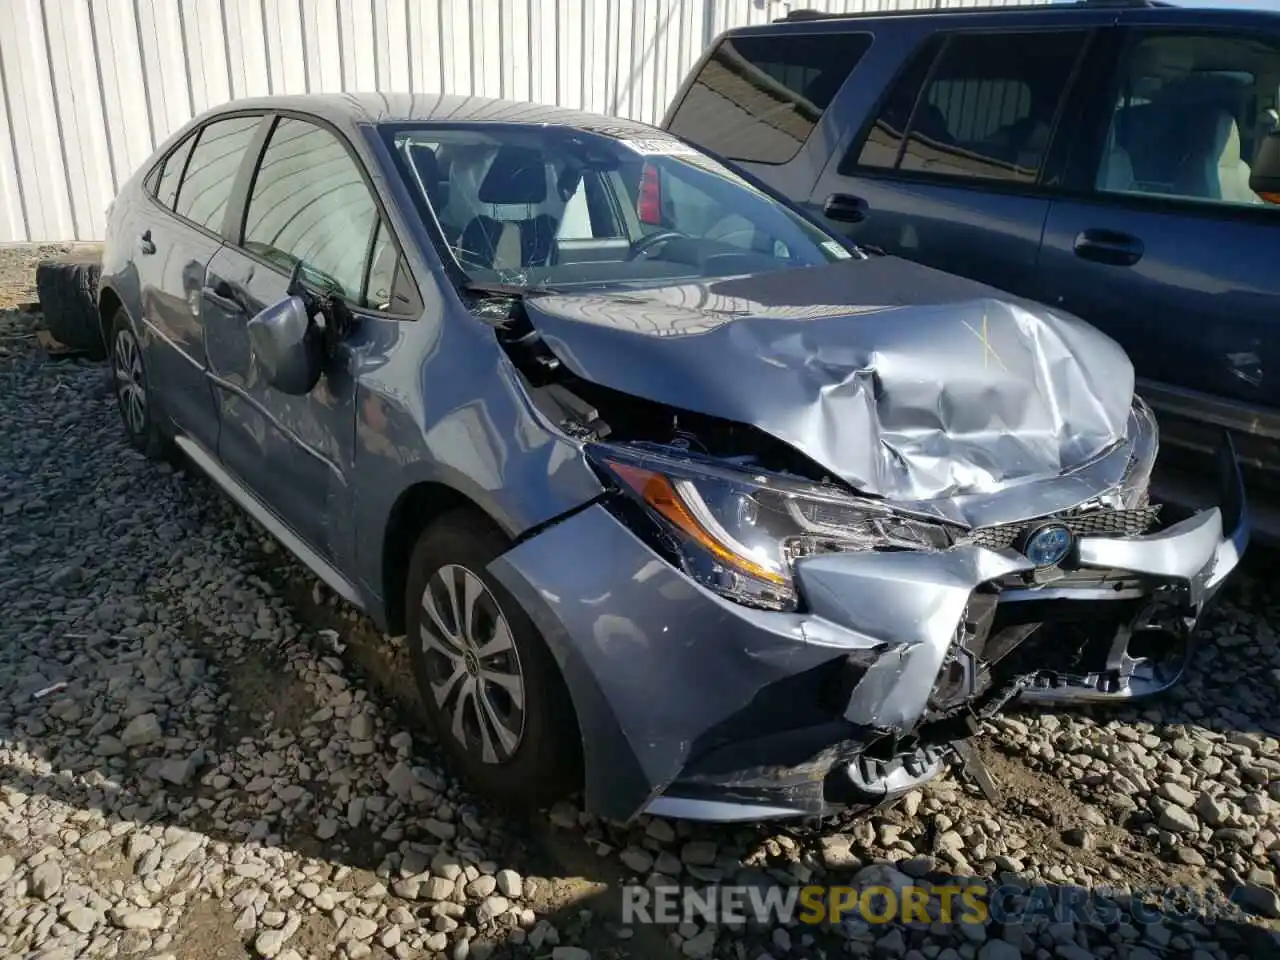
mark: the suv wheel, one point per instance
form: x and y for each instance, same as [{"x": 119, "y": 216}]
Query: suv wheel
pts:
[
  {"x": 491, "y": 689},
  {"x": 133, "y": 389}
]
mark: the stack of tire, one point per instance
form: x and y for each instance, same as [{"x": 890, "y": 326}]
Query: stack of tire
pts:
[{"x": 68, "y": 290}]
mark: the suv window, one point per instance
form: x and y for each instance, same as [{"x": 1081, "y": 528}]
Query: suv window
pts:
[
  {"x": 171, "y": 172},
  {"x": 1190, "y": 113},
  {"x": 883, "y": 142},
  {"x": 758, "y": 98},
  {"x": 987, "y": 111},
  {"x": 211, "y": 172},
  {"x": 310, "y": 204}
]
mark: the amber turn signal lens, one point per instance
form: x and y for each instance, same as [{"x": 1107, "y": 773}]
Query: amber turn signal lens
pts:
[{"x": 656, "y": 490}]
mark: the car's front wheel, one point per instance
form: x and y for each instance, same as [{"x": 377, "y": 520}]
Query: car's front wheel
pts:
[
  {"x": 491, "y": 689},
  {"x": 133, "y": 389}
]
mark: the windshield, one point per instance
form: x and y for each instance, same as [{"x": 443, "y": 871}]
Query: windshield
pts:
[{"x": 555, "y": 207}]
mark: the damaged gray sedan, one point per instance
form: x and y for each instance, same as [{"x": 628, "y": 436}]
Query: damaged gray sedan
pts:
[{"x": 677, "y": 497}]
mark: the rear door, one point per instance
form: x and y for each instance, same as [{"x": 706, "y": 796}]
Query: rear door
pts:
[
  {"x": 954, "y": 168},
  {"x": 175, "y": 241},
  {"x": 307, "y": 201},
  {"x": 1161, "y": 243}
]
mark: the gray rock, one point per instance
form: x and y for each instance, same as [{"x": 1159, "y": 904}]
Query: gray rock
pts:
[
  {"x": 999, "y": 950},
  {"x": 46, "y": 880},
  {"x": 358, "y": 928},
  {"x": 698, "y": 853},
  {"x": 141, "y": 731},
  {"x": 701, "y": 946},
  {"x": 509, "y": 884},
  {"x": 81, "y": 919},
  {"x": 1177, "y": 819},
  {"x": 1176, "y": 794},
  {"x": 181, "y": 771},
  {"x": 492, "y": 908},
  {"x": 151, "y": 918},
  {"x": 269, "y": 943},
  {"x": 436, "y": 888},
  {"x": 636, "y": 860},
  {"x": 1257, "y": 899}
]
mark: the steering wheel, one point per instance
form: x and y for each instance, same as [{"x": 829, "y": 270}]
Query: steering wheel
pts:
[{"x": 647, "y": 243}]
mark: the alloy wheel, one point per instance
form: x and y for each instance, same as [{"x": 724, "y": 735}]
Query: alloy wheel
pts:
[
  {"x": 131, "y": 389},
  {"x": 473, "y": 664}
]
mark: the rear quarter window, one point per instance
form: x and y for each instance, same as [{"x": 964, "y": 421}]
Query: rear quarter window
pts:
[{"x": 758, "y": 98}]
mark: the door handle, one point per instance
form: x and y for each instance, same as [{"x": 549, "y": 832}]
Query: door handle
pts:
[
  {"x": 145, "y": 246},
  {"x": 845, "y": 208},
  {"x": 222, "y": 295},
  {"x": 1108, "y": 246}
]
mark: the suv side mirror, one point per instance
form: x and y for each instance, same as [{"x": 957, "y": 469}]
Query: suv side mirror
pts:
[
  {"x": 1264, "y": 179},
  {"x": 286, "y": 345}
]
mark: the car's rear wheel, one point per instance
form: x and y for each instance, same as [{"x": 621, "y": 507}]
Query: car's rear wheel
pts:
[
  {"x": 133, "y": 389},
  {"x": 491, "y": 689}
]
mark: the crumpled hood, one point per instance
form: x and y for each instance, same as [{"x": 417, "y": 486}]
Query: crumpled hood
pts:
[{"x": 905, "y": 382}]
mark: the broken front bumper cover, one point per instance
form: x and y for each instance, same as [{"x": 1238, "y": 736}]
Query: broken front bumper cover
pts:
[{"x": 691, "y": 705}]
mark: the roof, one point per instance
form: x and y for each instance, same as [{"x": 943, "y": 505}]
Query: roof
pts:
[
  {"x": 360, "y": 108},
  {"x": 808, "y": 20}
]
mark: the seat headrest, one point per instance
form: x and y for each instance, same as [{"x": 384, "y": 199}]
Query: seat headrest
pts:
[
  {"x": 427, "y": 166},
  {"x": 517, "y": 175}
]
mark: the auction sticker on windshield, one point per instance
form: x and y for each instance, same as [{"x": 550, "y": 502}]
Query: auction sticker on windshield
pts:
[{"x": 661, "y": 148}]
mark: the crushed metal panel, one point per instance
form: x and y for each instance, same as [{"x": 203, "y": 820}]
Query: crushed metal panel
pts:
[{"x": 905, "y": 382}]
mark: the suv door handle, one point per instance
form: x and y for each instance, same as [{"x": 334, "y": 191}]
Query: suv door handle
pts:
[
  {"x": 145, "y": 246},
  {"x": 1108, "y": 246},
  {"x": 845, "y": 208}
]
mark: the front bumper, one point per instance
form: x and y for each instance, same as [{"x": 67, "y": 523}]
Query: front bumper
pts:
[{"x": 690, "y": 705}]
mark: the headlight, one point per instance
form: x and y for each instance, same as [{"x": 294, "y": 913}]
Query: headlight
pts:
[{"x": 740, "y": 533}]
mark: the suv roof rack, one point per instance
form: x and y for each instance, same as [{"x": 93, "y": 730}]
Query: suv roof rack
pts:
[{"x": 808, "y": 14}]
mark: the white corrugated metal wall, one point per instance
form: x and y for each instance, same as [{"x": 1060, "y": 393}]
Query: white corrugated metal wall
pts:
[{"x": 89, "y": 87}]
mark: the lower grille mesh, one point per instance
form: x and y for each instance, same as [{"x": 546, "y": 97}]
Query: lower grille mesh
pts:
[{"x": 1083, "y": 523}]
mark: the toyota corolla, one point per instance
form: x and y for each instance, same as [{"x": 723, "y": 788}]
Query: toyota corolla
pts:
[{"x": 677, "y": 497}]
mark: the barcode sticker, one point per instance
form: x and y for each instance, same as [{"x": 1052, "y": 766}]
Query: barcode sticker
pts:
[{"x": 661, "y": 148}]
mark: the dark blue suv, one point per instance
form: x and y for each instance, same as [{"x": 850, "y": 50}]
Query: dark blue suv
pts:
[{"x": 1097, "y": 157}]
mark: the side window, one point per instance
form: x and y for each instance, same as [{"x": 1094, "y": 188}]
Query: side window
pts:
[
  {"x": 883, "y": 141},
  {"x": 211, "y": 171},
  {"x": 310, "y": 204},
  {"x": 390, "y": 287},
  {"x": 171, "y": 172},
  {"x": 757, "y": 98},
  {"x": 987, "y": 112},
  {"x": 1190, "y": 115}
]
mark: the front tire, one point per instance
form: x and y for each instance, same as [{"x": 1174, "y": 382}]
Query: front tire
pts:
[
  {"x": 492, "y": 691},
  {"x": 133, "y": 390}
]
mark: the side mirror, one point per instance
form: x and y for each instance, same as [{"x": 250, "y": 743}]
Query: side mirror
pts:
[
  {"x": 286, "y": 345},
  {"x": 1264, "y": 179}
]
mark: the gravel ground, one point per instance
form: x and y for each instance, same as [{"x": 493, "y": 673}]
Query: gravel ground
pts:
[{"x": 231, "y": 764}]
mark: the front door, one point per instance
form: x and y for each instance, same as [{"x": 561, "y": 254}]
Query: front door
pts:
[{"x": 307, "y": 203}]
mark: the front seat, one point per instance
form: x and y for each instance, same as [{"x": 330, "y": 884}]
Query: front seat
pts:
[
  {"x": 1214, "y": 170},
  {"x": 517, "y": 176}
]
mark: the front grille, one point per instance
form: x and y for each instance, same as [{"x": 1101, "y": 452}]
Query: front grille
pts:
[{"x": 1096, "y": 522}]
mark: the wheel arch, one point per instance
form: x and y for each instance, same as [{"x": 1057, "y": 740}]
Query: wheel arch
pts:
[
  {"x": 416, "y": 508},
  {"x": 109, "y": 302}
]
